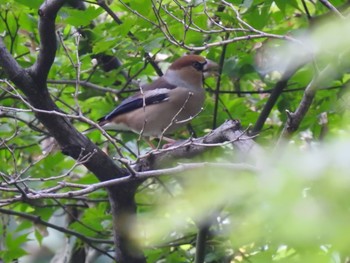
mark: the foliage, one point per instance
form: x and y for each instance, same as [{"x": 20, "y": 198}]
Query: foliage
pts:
[{"x": 292, "y": 207}]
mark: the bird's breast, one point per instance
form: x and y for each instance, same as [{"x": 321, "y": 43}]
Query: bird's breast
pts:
[
  {"x": 166, "y": 117},
  {"x": 188, "y": 101}
]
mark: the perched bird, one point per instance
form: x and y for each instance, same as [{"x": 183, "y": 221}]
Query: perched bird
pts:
[{"x": 166, "y": 104}]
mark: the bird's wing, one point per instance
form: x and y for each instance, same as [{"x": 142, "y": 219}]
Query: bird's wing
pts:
[{"x": 154, "y": 93}]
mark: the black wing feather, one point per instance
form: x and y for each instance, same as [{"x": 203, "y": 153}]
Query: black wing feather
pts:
[{"x": 133, "y": 104}]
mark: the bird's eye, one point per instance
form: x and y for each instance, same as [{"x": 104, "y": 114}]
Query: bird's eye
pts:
[{"x": 198, "y": 66}]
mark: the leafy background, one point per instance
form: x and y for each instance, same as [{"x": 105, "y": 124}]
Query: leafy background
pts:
[{"x": 293, "y": 208}]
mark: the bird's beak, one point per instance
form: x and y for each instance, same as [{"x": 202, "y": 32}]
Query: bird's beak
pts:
[{"x": 210, "y": 68}]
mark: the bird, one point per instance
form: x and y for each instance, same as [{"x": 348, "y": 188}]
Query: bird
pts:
[{"x": 166, "y": 104}]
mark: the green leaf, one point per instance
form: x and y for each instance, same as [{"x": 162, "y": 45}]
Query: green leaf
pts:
[
  {"x": 153, "y": 44},
  {"x": 82, "y": 17},
  {"x": 13, "y": 247},
  {"x": 281, "y": 4},
  {"x": 38, "y": 236},
  {"x": 247, "y": 3},
  {"x": 34, "y": 4}
]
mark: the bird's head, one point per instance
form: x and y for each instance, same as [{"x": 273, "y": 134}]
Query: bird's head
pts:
[{"x": 189, "y": 71}]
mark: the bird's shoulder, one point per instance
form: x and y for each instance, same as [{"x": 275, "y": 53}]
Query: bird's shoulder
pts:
[
  {"x": 160, "y": 83},
  {"x": 153, "y": 93}
]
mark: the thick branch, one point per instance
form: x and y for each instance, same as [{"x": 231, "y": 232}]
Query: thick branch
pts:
[
  {"x": 229, "y": 132},
  {"x": 11, "y": 67},
  {"x": 48, "y": 45},
  {"x": 277, "y": 91},
  {"x": 201, "y": 241},
  {"x": 33, "y": 84}
]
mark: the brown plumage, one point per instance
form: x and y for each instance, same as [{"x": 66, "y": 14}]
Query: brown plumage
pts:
[{"x": 165, "y": 104}]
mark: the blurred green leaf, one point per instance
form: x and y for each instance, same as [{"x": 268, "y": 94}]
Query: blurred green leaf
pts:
[
  {"x": 293, "y": 209},
  {"x": 34, "y": 4},
  {"x": 82, "y": 17},
  {"x": 13, "y": 247}
]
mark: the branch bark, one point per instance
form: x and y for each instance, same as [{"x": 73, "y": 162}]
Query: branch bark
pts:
[
  {"x": 228, "y": 132},
  {"x": 32, "y": 82},
  {"x": 201, "y": 241},
  {"x": 275, "y": 94},
  {"x": 295, "y": 118}
]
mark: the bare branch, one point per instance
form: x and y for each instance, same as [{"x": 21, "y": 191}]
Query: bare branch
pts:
[
  {"x": 218, "y": 83},
  {"x": 33, "y": 84},
  {"x": 327, "y": 4},
  {"x": 86, "y": 189},
  {"x": 38, "y": 220},
  {"x": 275, "y": 94},
  {"x": 229, "y": 131},
  {"x": 84, "y": 84},
  {"x": 295, "y": 118},
  {"x": 103, "y": 4}
]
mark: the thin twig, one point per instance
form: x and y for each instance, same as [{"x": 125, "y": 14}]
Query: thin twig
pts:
[
  {"x": 327, "y": 4},
  {"x": 38, "y": 220}
]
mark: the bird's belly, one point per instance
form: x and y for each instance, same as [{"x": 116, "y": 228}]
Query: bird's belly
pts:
[{"x": 165, "y": 117}]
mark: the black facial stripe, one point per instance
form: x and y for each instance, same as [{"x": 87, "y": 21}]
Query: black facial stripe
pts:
[{"x": 198, "y": 65}]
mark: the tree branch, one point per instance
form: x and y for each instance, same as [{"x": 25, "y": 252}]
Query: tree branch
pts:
[
  {"x": 229, "y": 132},
  {"x": 103, "y": 4},
  {"x": 218, "y": 83},
  {"x": 295, "y": 118},
  {"x": 33, "y": 84},
  {"x": 275, "y": 94},
  {"x": 48, "y": 42},
  {"x": 327, "y": 4},
  {"x": 201, "y": 241},
  {"x": 38, "y": 220},
  {"x": 87, "y": 85}
]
